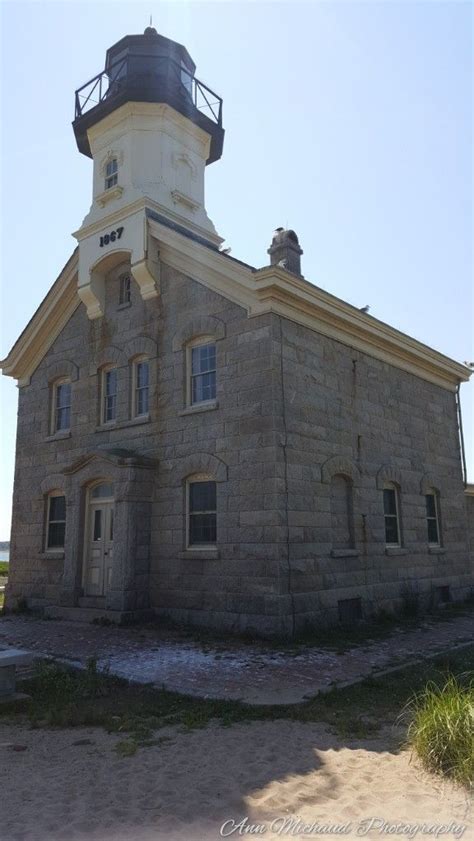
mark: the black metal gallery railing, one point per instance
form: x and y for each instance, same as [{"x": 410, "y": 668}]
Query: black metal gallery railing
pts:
[{"x": 134, "y": 71}]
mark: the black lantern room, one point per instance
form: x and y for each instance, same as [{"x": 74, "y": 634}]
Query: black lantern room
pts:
[{"x": 149, "y": 68}]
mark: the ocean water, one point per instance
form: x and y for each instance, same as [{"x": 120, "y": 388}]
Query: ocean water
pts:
[{"x": 4, "y": 555}]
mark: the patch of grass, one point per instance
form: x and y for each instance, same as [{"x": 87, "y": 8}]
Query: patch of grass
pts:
[
  {"x": 127, "y": 747},
  {"x": 441, "y": 728},
  {"x": 4, "y": 568},
  {"x": 67, "y": 698}
]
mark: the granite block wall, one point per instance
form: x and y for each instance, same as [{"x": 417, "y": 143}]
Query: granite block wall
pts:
[{"x": 293, "y": 410}]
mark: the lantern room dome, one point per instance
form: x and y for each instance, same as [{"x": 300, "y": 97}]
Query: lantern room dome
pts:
[{"x": 149, "y": 68}]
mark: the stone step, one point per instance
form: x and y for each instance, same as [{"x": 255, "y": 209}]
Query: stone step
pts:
[
  {"x": 83, "y": 614},
  {"x": 97, "y": 602},
  {"x": 95, "y": 614}
]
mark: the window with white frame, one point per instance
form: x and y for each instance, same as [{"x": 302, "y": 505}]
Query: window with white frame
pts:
[
  {"x": 109, "y": 395},
  {"x": 141, "y": 387},
  {"x": 124, "y": 289},
  {"x": 111, "y": 173},
  {"x": 61, "y": 406},
  {"x": 432, "y": 518},
  {"x": 202, "y": 371},
  {"x": 56, "y": 520},
  {"x": 201, "y": 512},
  {"x": 391, "y": 510}
]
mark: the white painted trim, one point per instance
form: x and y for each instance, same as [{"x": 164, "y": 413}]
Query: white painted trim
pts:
[
  {"x": 392, "y": 486},
  {"x": 435, "y": 494},
  {"x": 190, "y": 480},
  {"x": 194, "y": 343},
  {"x": 52, "y": 315},
  {"x": 272, "y": 289}
]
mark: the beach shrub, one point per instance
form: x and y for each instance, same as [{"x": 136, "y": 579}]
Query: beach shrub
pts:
[{"x": 441, "y": 729}]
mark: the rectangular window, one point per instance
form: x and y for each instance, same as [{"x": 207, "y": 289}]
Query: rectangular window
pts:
[
  {"x": 202, "y": 513},
  {"x": 62, "y": 406},
  {"x": 111, "y": 174},
  {"x": 109, "y": 390},
  {"x": 432, "y": 519},
  {"x": 203, "y": 373},
  {"x": 142, "y": 388},
  {"x": 391, "y": 514},
  {"x": 56, "y": 522}
]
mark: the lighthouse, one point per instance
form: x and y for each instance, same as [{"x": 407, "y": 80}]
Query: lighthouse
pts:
[{"x": 151, "y": 128}]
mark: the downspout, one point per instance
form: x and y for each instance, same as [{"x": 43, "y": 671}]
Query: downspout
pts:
[{"x": 461, "y": 434}]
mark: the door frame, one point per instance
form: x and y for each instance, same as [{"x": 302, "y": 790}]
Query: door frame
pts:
[{"x": 89, "y": 505}]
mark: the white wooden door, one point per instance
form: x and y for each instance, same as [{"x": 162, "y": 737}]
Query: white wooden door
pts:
[{"x": 100, "y": 548}]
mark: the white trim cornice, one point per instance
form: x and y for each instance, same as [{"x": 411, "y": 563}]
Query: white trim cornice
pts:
[
  {"x": 301, "y": 301},
  {"x": 270, "y": 289},
  {"x": 45, "y": 326},
  {"x": 273, "y": 289}
]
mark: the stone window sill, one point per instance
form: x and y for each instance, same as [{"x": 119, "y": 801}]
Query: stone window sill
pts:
[
  {"x": 436, "y": 550},
  {"x": 104, "y": 427},
  {"x": 50, "y": 555},
  {"x": 199, "y": 555},
  {"x": 125, "y": 305},
  {"x": 59, "y": 436},
  {"x": 344, "y": 553},
  {"x": 200, "y": 407},
  {"x": 395, "y": 550},
  {"x": 109, "y": 195}
]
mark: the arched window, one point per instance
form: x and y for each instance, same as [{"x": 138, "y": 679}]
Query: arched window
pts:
[
  {"x": 391, "y": 510},
  {"x": 432, "y": 517},
  {"x": 201, "y": 511},
  {"x": 341, "y": 512},
  {"x": 55, "y": 520},
  {"x": 140, "y": 387},
  {"x": 61, "y": 406},
  {"x": 201, "y": 371},
  {"x": 124, "y": 289},
  {"x": 111, "y": 173},
  {"x": 109, "y": 388}
]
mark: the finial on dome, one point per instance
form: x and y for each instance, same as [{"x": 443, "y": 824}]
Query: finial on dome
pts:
[{"x": 150, "y": 30}]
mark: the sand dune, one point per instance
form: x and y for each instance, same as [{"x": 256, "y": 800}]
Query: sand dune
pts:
[{"x": 188, "y": 786}]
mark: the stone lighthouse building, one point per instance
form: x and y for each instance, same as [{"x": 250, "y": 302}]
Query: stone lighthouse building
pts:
[{"x": 208, "y": 441}]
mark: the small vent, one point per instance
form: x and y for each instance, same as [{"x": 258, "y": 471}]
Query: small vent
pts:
[
  {"x": 350, "y": 611},
  {"x": 443, "y": 594}
]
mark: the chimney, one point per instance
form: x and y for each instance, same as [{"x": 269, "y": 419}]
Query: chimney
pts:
[{"x": 285, "y": 251}]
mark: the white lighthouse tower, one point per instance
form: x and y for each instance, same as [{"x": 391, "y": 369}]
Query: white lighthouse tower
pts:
[{"x": 151, "y": 127}]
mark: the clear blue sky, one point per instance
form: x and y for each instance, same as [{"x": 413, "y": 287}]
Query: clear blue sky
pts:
[{"x": 350, "y": 122}]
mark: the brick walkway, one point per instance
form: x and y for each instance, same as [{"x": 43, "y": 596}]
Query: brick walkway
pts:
[{"x": 252, "y": 673}]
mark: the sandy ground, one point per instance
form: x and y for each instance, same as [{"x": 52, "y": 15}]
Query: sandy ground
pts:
[{"x": 188, "y": 786}]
